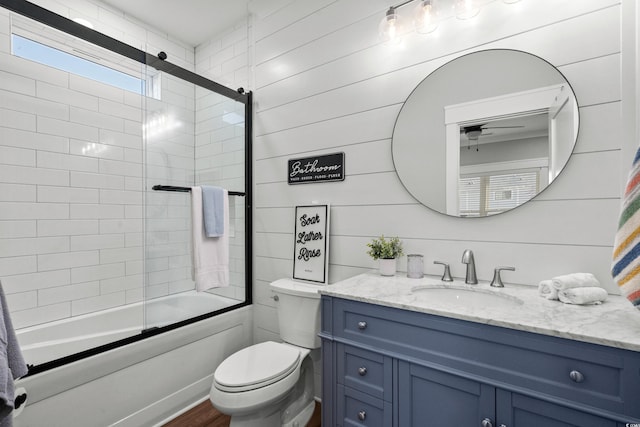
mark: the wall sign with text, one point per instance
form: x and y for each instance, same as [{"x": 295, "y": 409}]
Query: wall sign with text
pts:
[
  {"x": 311, "y": 243},
  {"x": 329, "y": 167}
]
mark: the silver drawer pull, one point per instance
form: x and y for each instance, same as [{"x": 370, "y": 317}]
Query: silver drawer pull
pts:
[
  {"x": 486, "y": 423},
  {"x": 362, "y": 325},
  {"x": 576, "y": 376},
  {"x": 362, "y": 415},
  {"x": 362, "y": 371}
]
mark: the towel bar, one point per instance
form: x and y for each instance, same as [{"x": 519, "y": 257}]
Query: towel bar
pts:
[{"x": 188, "y": 189}]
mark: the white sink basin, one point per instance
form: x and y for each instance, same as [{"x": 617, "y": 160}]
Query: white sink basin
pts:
[{"x": 465, "y": 297}]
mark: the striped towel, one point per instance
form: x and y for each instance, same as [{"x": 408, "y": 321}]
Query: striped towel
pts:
[{"x": 626, "y": 250}]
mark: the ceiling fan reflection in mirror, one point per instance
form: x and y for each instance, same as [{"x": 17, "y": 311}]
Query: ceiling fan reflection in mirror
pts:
[{"x": 474, "y": 132}]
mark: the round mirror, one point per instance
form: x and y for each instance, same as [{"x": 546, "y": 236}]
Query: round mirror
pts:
[{"x": 485, "y": 133}]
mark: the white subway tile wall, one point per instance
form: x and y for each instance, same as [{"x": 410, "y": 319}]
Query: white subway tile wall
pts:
[
  {"x": 73, "y": 174},
  {"x": 220, "y": 130},
  {"x": 63, "y": 174}
]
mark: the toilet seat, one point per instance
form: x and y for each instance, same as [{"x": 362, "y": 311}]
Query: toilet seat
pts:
[{"x": 256, "y": 366}]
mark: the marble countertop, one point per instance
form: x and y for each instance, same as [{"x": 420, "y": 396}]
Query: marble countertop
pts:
[{"x": 614, "y": 323}]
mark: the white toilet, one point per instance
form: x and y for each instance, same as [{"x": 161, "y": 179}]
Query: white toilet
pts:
[{"x": 271, "y": 384}]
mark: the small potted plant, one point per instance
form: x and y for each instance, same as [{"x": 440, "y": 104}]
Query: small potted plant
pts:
[{"x": 386, "y": 251}]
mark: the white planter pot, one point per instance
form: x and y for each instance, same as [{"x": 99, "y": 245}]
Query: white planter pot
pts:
[{"x": 387, "y": 267}]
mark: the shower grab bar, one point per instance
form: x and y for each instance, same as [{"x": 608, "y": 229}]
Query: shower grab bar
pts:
[{"x": 188, "y": 189}]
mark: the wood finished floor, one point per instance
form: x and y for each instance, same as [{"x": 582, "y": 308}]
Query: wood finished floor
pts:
[{"x": 205, "y": 415}]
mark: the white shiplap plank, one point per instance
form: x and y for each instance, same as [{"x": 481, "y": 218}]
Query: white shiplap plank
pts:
[
  {"x": 594, "y": 81},
  {"x": 575, "y": 222},
  {"x": 274, "y": 219},
  {"x": 599, "y": 131},
  {"x": 576, "y": 182},
  {"x": 275, "y": 245},
  {"x": 273, "y": 16},
  {"x": 372, "y": 188},
  {"x": 268, "y": 269},
  {"x": 322, "y": 16},
  {"x": 383, "y": 188},
  {"x": 600, "y": 128},
  {"x": 360, "y": 127},
  {"x": 366, "y": 63},
  {"x": 586, "y": 176},
  {"x": 571, "y": 222},
  {"x": 533, "y": 262},
  {"x": 496, "y": 23},
  {"x": 360, "y": 35}
]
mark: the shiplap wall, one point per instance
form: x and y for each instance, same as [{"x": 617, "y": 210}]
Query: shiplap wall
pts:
[{"x": 324, "y": 83}]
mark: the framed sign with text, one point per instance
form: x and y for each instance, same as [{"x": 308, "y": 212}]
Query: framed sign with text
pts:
[
  {"x": 328, "y": 167},
  {"x": 311, "y": 243}
]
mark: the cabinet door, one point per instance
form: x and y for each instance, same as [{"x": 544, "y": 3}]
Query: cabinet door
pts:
[
  {"x": 516, "y": 410},
  {"x": 431, "y": 398}
]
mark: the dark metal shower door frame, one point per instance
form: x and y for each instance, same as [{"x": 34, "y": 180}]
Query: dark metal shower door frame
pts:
[{"x": 45, "y": 16}]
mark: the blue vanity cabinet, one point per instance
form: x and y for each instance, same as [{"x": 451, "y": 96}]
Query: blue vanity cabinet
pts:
[
  {"x": 430, "y": 397},
  {"x": 392, "y": 367}
]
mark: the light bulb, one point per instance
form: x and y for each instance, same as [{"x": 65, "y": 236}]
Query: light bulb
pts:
[
  {"x": 466, "y": 9},
  {"x": 425, "y": 17},
  {"x": 390, "y": 28}
]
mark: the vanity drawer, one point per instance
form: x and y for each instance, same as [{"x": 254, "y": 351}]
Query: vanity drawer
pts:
[
  {"x": 360, "y": 409},
  {"x": 365, "y": 371},
  {"x": 585, "y": 373}
]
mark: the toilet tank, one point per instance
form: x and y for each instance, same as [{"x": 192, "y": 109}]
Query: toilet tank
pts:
[{"x": 298, "y": 306}]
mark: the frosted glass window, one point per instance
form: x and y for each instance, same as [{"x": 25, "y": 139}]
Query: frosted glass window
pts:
[{"x": 38, "y": 52}]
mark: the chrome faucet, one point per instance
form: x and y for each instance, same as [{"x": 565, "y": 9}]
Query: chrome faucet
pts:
[{"x": 467, "y": 258}]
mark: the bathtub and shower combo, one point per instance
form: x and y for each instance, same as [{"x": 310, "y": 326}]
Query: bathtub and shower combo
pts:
[{"x": 95, "y": 257}]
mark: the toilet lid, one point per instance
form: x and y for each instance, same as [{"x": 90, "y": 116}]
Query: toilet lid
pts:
[{"x": 256, "y": 366}]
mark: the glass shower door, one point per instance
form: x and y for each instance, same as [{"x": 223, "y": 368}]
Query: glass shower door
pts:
[{"x": 193, "y": 136}]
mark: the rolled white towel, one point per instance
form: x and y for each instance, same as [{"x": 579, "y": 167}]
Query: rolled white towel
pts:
[
  {"x": 547, "y": 290},
  {"x": 575, "y": 280},
  {"x": 581, "y": 296}
]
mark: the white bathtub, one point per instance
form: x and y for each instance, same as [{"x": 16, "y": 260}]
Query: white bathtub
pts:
[
  {"x": 143, "y": 383},
  {"x": 50, "y": 341}
]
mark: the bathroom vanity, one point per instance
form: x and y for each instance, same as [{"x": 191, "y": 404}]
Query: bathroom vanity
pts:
[{"x": 419, "y": 352}]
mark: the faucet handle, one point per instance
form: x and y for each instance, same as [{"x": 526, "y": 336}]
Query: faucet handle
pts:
[
  {"x": 446, "y": 276},
  {"x": 497, "y": 280}
]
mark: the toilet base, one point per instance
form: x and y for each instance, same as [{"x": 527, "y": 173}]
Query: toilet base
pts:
[
  {"x": 303, "y": 417},
  {"x": 268, "y": 420}
]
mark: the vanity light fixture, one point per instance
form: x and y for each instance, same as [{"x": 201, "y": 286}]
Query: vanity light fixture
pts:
[
  {"x": 425, "y": 20},
  {"x": 390, "y": 27},
  {"x": 466, "y": 9},
  {"x": 425, "y": 16}
]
